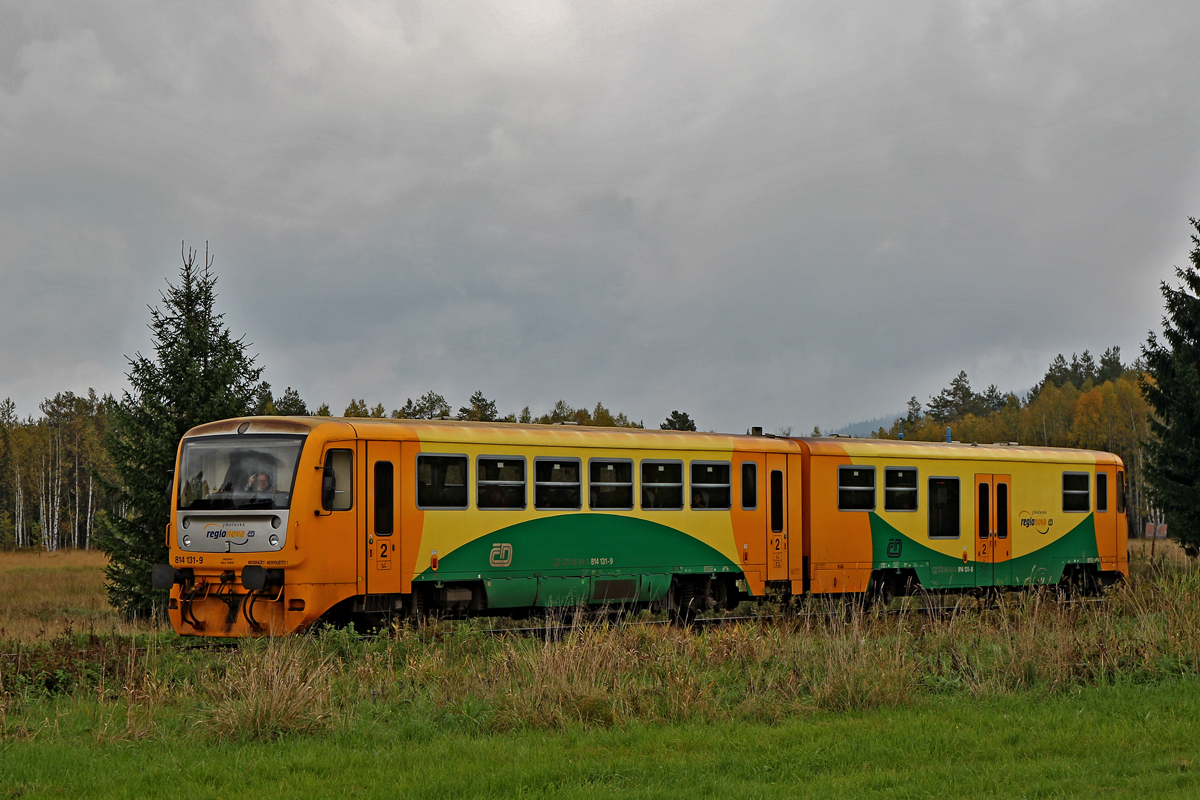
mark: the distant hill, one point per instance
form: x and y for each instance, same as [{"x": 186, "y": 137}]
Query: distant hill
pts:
[{"x": 869, "y": 426}]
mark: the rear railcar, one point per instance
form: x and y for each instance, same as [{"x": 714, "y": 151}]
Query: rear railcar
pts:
[{"x": 886, "y": 517}]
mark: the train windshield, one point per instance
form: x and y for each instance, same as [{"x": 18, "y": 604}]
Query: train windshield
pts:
[{"x": 238, "y": 472}]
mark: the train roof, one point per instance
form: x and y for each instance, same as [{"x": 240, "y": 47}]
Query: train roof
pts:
[
  {"x": 532, "y": 434},
  {"x": 997, "y": 451},
  {"x": 500, "y": 433}
]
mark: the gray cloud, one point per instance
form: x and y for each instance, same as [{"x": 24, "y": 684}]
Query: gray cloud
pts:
[{"x": 778, "y": 214}]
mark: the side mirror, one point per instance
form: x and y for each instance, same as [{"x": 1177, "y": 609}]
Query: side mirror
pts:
[
  {"x": 170, "y": 485},
  {"x": 328, "y": 484}
]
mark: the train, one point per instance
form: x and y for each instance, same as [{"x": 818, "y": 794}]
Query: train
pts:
[{"x": 281, "y": 523}]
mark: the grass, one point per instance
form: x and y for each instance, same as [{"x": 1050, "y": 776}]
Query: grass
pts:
[
  {"x": 43, "y": 595},
  {"x": 1121, "y": 740},
  {"x": 1022, "y": 696}
]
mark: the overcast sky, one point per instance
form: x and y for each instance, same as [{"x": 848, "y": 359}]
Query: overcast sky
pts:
[{"x": 772, "y": 214}]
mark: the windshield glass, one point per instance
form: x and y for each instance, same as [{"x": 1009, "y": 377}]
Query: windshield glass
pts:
[{"x": 236, "y": 472}]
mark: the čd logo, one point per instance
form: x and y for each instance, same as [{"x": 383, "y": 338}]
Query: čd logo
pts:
[{"x": 501, "y": 555}]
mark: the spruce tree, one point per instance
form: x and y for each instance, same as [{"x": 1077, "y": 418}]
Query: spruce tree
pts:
[
  {"x": 955, "y": 401},
  {"x": 291, "y": 404},
  {"x": 1172, "y": 388},
  {"x": 678, "y": 421},
  {"x": 199, "y": 373},
  {"x": 480, "y": 409},
  {"x": 1111, "y": 367}
]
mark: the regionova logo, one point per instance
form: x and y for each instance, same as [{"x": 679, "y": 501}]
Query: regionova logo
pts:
[
  {"x": 1039, "y": 521},
  {"x": 232, "y": 535}
]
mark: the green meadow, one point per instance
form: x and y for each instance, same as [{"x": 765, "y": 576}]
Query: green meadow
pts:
[{"x": 1021, "y": 696}]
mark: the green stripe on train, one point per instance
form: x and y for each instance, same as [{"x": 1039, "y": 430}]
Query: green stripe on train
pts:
[
  {"x": 893, "y": 550},
  {"x": 573, "y": 558}
]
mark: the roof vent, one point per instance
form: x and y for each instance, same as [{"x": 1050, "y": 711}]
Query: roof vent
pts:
[
  {"x": 565, "y": 422},
  {"x": 756, "y": 431}
]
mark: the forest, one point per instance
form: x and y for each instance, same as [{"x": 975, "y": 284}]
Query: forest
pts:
[{"x": 55, "y": 473}]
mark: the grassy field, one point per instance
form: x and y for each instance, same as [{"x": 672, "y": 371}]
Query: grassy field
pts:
[
  {"x": 44, "y": 595},
  {"x": 1122, "y": 741},
  {"x": 1023, "y": 697}
]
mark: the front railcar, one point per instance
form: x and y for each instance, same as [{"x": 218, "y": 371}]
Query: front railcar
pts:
[{"x": 235, "y": 565}]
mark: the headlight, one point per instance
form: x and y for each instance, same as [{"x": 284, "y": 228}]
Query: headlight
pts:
[
  {"x": 187, "y": 540},
  {"x": 187, "y": 521},
  {"x": 276, "y": 522},
  {"x": 274, "y": 540}
]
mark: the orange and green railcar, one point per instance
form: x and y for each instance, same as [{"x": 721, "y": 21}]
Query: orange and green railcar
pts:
[
  {"x": 280, "y": 522},
  {"x": 888, "y": 517}
]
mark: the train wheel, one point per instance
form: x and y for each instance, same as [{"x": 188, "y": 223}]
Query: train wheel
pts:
[
  {"x": 718, "y": 595},
  {"x": 683, "y": 610},
  {"x": 880, "y": 593}
]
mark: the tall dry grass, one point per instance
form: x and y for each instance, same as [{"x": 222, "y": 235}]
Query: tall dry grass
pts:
[
  {"x": 827, "y": 658},
  {"x": 267, "y": 690},
  {"x": 601, "y": 674},
  {"x": 45, "y": 594}
]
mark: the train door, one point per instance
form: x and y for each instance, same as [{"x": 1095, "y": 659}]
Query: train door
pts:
[
  {"x": 383, "y": 573},
  {"x": 993, "y": 523},
  {"x": 332, "y": 533},
  {"x": 777, "y": 535},
  {"x": 1106, "y": 517}
]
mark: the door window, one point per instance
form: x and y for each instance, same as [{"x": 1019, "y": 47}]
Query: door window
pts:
[
  {"x": 385, "y": 510},
  {"x": 776, "y": 501}
]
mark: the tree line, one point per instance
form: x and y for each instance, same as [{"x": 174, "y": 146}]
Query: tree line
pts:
[
  {"x": 52, "y": 472},
  {"x": 432, "y": 405}
]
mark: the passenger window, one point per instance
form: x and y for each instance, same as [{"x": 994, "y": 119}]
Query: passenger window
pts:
[
  {"x": 441, "y": 481},
  {"x": 500, "y": 483},
  {"x": 662, "y": 484},
  {"x": 900, "y": 489},
  {"x": 710, "y": 485},
  {"x": 1075, "y": 492},
  {"x": 749, "y": 485},
  {"x": 341, "y": 464},
  {"x": 1120, "y": 492},
  {"x": 1102, "y": 491},
  {"x": 556, "y": 483},
  {"x": 385, "y": 511},
  {"x": 943, "y": 508},
  {"x": 610, "y": 484},
  {"x": 856, "y": 488}
]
